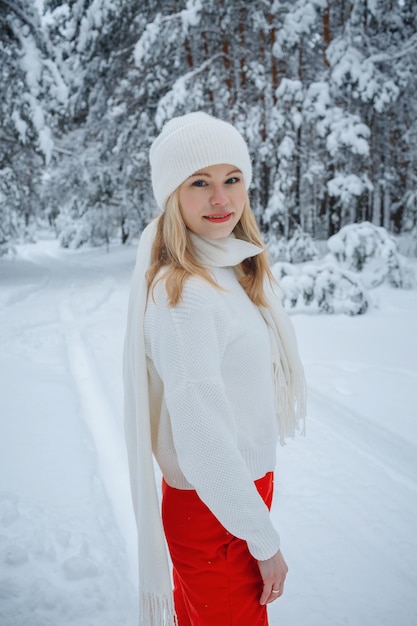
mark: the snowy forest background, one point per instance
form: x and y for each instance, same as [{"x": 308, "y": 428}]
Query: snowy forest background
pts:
[{"x": 323, "y": 90}]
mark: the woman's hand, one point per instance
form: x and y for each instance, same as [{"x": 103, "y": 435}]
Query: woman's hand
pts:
[{"x": 273, "y": 572}]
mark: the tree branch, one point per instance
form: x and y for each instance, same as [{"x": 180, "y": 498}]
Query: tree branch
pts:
[
  {"x": 23, "y": 18},
  {"x": 409, "y": 46}
]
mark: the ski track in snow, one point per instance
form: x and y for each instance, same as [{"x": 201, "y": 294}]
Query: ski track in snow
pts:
[
  {"x": 345, "y": 495},
  {"x": 63, "y": 544},
  {"x": 395, "y": 456},
  {"x": 348, "y": 531},
  {"x": 108, "y": 439},
  {"x": 20, "y": 295}
]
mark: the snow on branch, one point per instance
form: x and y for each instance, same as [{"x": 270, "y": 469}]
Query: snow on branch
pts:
[
  {"x": 409, "y": 46},
  {"x": 371, "y": 251},
  {"x": 189, "y": 17},
  {"x": 24, "y": 18},
  {"x": 179, "y": 93},
  {"x": 344, "y": 186}
]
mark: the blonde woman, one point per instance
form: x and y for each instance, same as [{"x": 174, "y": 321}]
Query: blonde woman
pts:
[{"x": 212, "y": 382}]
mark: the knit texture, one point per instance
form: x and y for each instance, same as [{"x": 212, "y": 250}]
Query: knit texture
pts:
[
  {"x": 216, "y": 432},
  {"x": 189, "y": 143}
]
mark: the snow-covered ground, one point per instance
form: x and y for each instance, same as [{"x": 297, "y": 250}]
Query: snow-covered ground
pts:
[{"x": 346, "y": 499}]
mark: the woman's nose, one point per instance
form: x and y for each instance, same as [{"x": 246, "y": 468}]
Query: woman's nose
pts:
[{"x": 219, "y": 196}]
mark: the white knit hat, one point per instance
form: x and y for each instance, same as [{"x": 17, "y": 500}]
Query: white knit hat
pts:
[{"x": 190, "y": 142}]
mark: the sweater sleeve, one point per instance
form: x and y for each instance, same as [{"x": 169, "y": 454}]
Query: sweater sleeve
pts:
[{"x": 187, "y": 352}]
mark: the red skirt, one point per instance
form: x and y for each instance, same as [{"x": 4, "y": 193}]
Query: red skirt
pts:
[{"x": 216, "y": 580}]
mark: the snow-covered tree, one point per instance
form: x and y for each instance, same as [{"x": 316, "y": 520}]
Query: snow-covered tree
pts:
[
  {"x": 371, "y": 251},
  {"x": 33, "y": 93},
  {"x": 298, "y": 249},
  {"x": 321, "y": 288},
  {"x": 322, "y": 90}
]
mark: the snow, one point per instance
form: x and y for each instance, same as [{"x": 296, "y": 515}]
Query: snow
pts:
[
  {"x": 286, "y": 148},
  {"x": 31, "y": 64},
  {"x": 59, "y": 89},
  {"x": 93, "y": 21},
  {"x": 373, "y": 252},
  {"x": 321, "y": 287},
  {"x": 346, "y": 494},
  {"x": 350, "y": 66},
  {"x": 344, "y": 186},
  {"x": 296, "y": 24},
  {"x": 190, "y": 16},
  {"x": 20, "y": 125},
  {"x": 318, "y": 100},
  {"x": 144, "y": 45},
  {"x": 345, "y": 131}
]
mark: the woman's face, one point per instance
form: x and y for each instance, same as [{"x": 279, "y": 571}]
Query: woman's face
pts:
[{"x": 212, "y": 200}]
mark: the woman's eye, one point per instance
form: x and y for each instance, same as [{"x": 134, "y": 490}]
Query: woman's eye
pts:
[
  {"x": 199, "y": 183},
  {"x": 232, "y": 180}
]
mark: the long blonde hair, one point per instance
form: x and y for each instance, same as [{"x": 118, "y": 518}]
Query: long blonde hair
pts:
[{"x": 174, "y": 250}]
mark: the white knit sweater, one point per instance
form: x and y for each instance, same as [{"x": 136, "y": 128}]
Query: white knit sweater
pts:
[
  {"x": 216, "y": 431},
  {"x": 211, "y": 421}
]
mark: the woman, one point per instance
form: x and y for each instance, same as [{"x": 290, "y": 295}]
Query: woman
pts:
[{"x": 212, "y": 380}]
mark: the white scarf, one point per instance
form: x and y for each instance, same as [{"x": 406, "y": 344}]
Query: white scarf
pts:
[{"x": 155, "y": 593}]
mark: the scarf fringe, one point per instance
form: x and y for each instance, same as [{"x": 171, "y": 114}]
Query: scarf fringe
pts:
[
  {"x": 287, "y": 370},
  {"x": 290, "y": 404},
  {"x": 157, "y": 610}
]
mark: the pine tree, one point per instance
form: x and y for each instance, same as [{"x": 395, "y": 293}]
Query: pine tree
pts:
[
  {"x": 324, "y": 92},
  {"x": 32, "y": 93}
]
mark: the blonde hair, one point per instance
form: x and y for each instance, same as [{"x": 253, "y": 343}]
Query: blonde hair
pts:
[{"x": 174, "y": 250}]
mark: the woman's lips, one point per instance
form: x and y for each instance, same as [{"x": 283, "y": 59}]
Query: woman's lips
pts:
[{"x": 218, "y": 217}]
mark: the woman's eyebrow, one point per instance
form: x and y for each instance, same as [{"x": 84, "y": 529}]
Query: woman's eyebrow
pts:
[{"x": 202, "y": 173}]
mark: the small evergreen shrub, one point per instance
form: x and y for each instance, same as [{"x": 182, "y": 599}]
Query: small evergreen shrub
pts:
[
  {"x": 372, "y": 252},
  {"x": 298, "y": 249},
  {"x": 324, "y": 288}
]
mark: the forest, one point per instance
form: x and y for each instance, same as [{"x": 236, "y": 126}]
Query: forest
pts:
[{"x": 323, "y": 91}]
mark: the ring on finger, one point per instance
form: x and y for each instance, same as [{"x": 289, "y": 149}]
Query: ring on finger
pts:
[{"x": 275, "y": 590}]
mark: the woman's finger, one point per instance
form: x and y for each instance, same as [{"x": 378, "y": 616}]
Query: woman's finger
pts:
[{"x": 276, "y": 592}]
